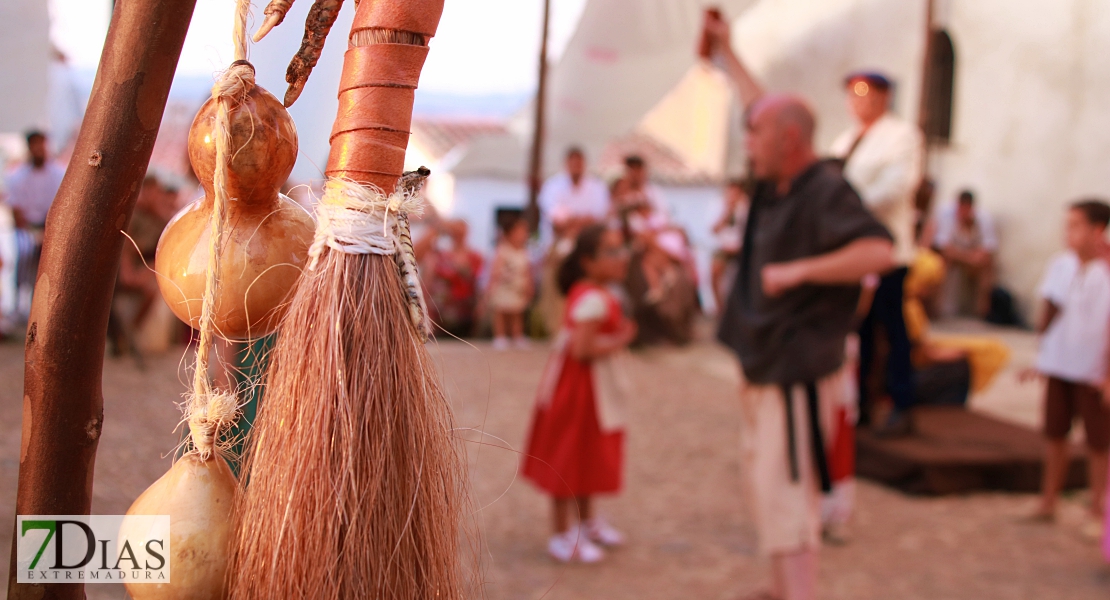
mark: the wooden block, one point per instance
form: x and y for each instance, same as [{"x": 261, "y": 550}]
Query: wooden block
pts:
[{"x": 954, "y": 450}]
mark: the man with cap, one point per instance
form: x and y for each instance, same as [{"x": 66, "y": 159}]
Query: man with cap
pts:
[
  {"x": 881, "y": 155},
  {"x": 809, "y": 241}
]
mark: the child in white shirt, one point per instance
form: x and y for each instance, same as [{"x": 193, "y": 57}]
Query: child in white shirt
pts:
[{"x": 1075, "y": 328}]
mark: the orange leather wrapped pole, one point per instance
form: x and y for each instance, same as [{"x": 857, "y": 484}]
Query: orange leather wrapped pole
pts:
[
  {"x": 357, "y": 488},
  {"x": 376, "y": 91}
]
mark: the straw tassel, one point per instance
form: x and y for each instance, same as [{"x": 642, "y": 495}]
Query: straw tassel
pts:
[{"x": 357, "y": 485}]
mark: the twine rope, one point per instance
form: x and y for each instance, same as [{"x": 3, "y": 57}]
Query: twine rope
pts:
[
  {"x": 356, "y": 219},
  {"x": 206, "y": 420},
  {"x": 239, "y": 29},
  {"x": 207, "y": 409}
]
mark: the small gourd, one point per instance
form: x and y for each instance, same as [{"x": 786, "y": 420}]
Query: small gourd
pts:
[
  {"x": 197, "y": 494},
  {"x": 267, "y": 233}
]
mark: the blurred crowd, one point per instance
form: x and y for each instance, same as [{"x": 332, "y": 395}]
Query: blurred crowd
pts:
[{"x": 512, "y": 294}]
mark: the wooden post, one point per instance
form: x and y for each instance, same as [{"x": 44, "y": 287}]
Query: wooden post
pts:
[
  {"x": 63, "y": 408},
  {"x": 535, "y": 167}
]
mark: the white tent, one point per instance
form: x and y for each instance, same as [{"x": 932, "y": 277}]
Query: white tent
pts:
[
  {"x": 623, "y": 59},
  {"x": 631, "y": 66}
]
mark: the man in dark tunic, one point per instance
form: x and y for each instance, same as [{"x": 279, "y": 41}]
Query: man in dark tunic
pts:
[{"x": 809, "y": 242}]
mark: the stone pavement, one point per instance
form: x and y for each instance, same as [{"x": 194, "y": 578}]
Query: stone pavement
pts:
[{"x": 689, "y": 536}]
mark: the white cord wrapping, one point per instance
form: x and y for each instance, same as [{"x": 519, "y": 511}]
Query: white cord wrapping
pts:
[{"x": 354, "y": 219}]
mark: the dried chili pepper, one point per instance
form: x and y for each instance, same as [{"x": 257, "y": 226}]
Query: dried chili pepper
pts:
[{"x": 321, "y": 17}]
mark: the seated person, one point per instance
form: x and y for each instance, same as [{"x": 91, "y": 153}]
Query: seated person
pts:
[
  {"x": 548, "y": 313},
  {"x": 966, "y": 238},
  {"x": 154, "y": 208},
  {"x": 569, "y": 201},
  {"x": 937, "y": 357},
  {"x": 636, "y": 202},
  {"x": 570, "y": 198},
  {"x": 451, "y": 268},
  {"x": 663, "y": 290}
]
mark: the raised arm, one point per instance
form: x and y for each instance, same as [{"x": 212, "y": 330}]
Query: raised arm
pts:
[{"x": 718, "y": 32}]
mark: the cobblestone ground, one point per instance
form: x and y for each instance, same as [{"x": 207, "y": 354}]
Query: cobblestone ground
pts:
[{"x": 688, "y": 533}]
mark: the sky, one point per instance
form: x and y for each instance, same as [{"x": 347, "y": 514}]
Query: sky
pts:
[{"x": 465, "y": 58}]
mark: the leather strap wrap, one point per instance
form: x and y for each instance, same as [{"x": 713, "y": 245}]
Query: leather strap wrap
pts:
[
  {"x": 376, "y": 93},
  {"x": 386, "y": 109},
  {"x": 382, "y": 65},
  {"x": 358, "y": 152},
  {"x": 417, "y": 16}
]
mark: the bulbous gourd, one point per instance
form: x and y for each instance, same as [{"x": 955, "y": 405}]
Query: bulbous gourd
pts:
[
  {"x": 198, "y": 496},
  {"x": 266, "y": 235}
]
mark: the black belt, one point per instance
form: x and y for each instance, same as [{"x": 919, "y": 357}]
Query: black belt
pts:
[{"x": 817, "y": 439}]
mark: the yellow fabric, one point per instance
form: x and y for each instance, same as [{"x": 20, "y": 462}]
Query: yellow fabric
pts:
[
  {"x": 917, "y": 321},
  {"x": 927, "y": 271},
  {"x": 986, "y": 356}
]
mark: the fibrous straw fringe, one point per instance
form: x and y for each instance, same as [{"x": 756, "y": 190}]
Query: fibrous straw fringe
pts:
[
  {"x": 377, "y": 35},
  {"x": 356, "y": 483}
]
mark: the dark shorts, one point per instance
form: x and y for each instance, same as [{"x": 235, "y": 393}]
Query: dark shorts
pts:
[{"x": 1064, "y": 400}]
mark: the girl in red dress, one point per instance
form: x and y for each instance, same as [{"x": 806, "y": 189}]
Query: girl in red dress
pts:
[{"x": 575, "y": 449}]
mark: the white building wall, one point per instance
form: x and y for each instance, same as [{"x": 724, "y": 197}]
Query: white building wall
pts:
[
  {"x": 476, "y": 200},
  {"x": 1031, "y": 129},
  {"x": 24, "y": 64}
]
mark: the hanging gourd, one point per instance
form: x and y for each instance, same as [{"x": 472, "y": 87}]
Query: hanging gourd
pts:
[
  {"x": 198, "y": 494},
  {"x": 227, "y": 263},
  {"x": 357, "y": 484},
  {"x": 267, "y": 233}
]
